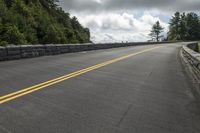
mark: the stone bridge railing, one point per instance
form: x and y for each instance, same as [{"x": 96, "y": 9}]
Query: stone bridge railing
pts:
[
  {"x": 193, "y": 57},
  {"x": 31, "y": 51}
]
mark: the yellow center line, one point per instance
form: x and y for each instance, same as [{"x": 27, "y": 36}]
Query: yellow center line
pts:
[
  {"x": 20, "y": 93},
  {"x": 44, "y": 83}
]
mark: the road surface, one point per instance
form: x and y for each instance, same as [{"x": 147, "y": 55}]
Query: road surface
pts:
[{"x": 142, "y": 89}]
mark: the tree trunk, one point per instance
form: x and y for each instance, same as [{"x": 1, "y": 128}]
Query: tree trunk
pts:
[{"x": 157, "y": 37}]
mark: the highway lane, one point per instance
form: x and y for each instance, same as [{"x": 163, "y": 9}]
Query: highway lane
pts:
[{"x": 147, "y": 91}]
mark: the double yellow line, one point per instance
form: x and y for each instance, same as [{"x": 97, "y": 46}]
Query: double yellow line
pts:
[{"x": 17, "y": 94}]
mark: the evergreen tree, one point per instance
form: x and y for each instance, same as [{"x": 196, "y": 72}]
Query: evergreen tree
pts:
[
  {"x": 192, "y": 26},
  {"x": 184, "y": 27},
  {"x": 156, "y": 30},
  {"x": 174, "y": 28},
  {"x": 38, "y": 21}
]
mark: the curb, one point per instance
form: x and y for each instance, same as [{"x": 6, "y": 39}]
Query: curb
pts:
[
  {"x": 192, "y": 56},
  {"x": 191, "y": 63}
]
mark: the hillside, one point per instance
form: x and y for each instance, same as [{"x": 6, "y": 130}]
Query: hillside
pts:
[{"x": 38, "y": 22}]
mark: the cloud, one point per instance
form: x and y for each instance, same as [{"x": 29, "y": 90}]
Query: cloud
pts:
[
  {"x": 115, "y": 27},
  {"x": 107, "y": 5},
  {"x": 125, "y": 20}
]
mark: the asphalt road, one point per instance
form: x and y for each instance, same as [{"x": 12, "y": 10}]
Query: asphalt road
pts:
[{"x": 141, "y": 89}]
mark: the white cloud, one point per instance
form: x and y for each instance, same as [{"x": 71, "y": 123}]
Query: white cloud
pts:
[
  {"x": 111, "y": 5},
  {"x": 116, "y": 27},
  {"x": 125, "y": 20}
]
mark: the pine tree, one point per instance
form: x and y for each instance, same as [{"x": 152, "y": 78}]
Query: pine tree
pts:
[
  {"x": 193, "y": 26},
  {"x": 184, "y": 27},
  {"x": 174, "y": 28},
  {"x": 156, "y": 30}
]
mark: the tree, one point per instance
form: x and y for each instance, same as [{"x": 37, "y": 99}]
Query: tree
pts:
[
  {"x": 184, "y": 27},
  {"x": 49, "y": 4},
  {"x": 174, "y": 28},
  {"x": 156, "y": 30},
  {"x": 192, "y": 26},
  {"x": 38, "y": 21},
  {"x": 12, "y": 35},
  {"x": 8, "y": 3}
]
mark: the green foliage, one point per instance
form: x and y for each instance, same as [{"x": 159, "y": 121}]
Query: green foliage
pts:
[
  {"x": 38, "y": 21},
  {"x": 13, "y": 35},
  {"x": 199, "y": 47},
  {"x": 174, "y": 27},
  {"x": 184, "y": 27},
  {"x": 156, "y": 30}
]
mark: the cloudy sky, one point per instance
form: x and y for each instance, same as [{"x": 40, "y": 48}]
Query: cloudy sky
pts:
[{"x": 125, "y": 20}]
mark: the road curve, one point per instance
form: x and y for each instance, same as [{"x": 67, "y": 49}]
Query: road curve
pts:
[{"x": 142, "y": 89}]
